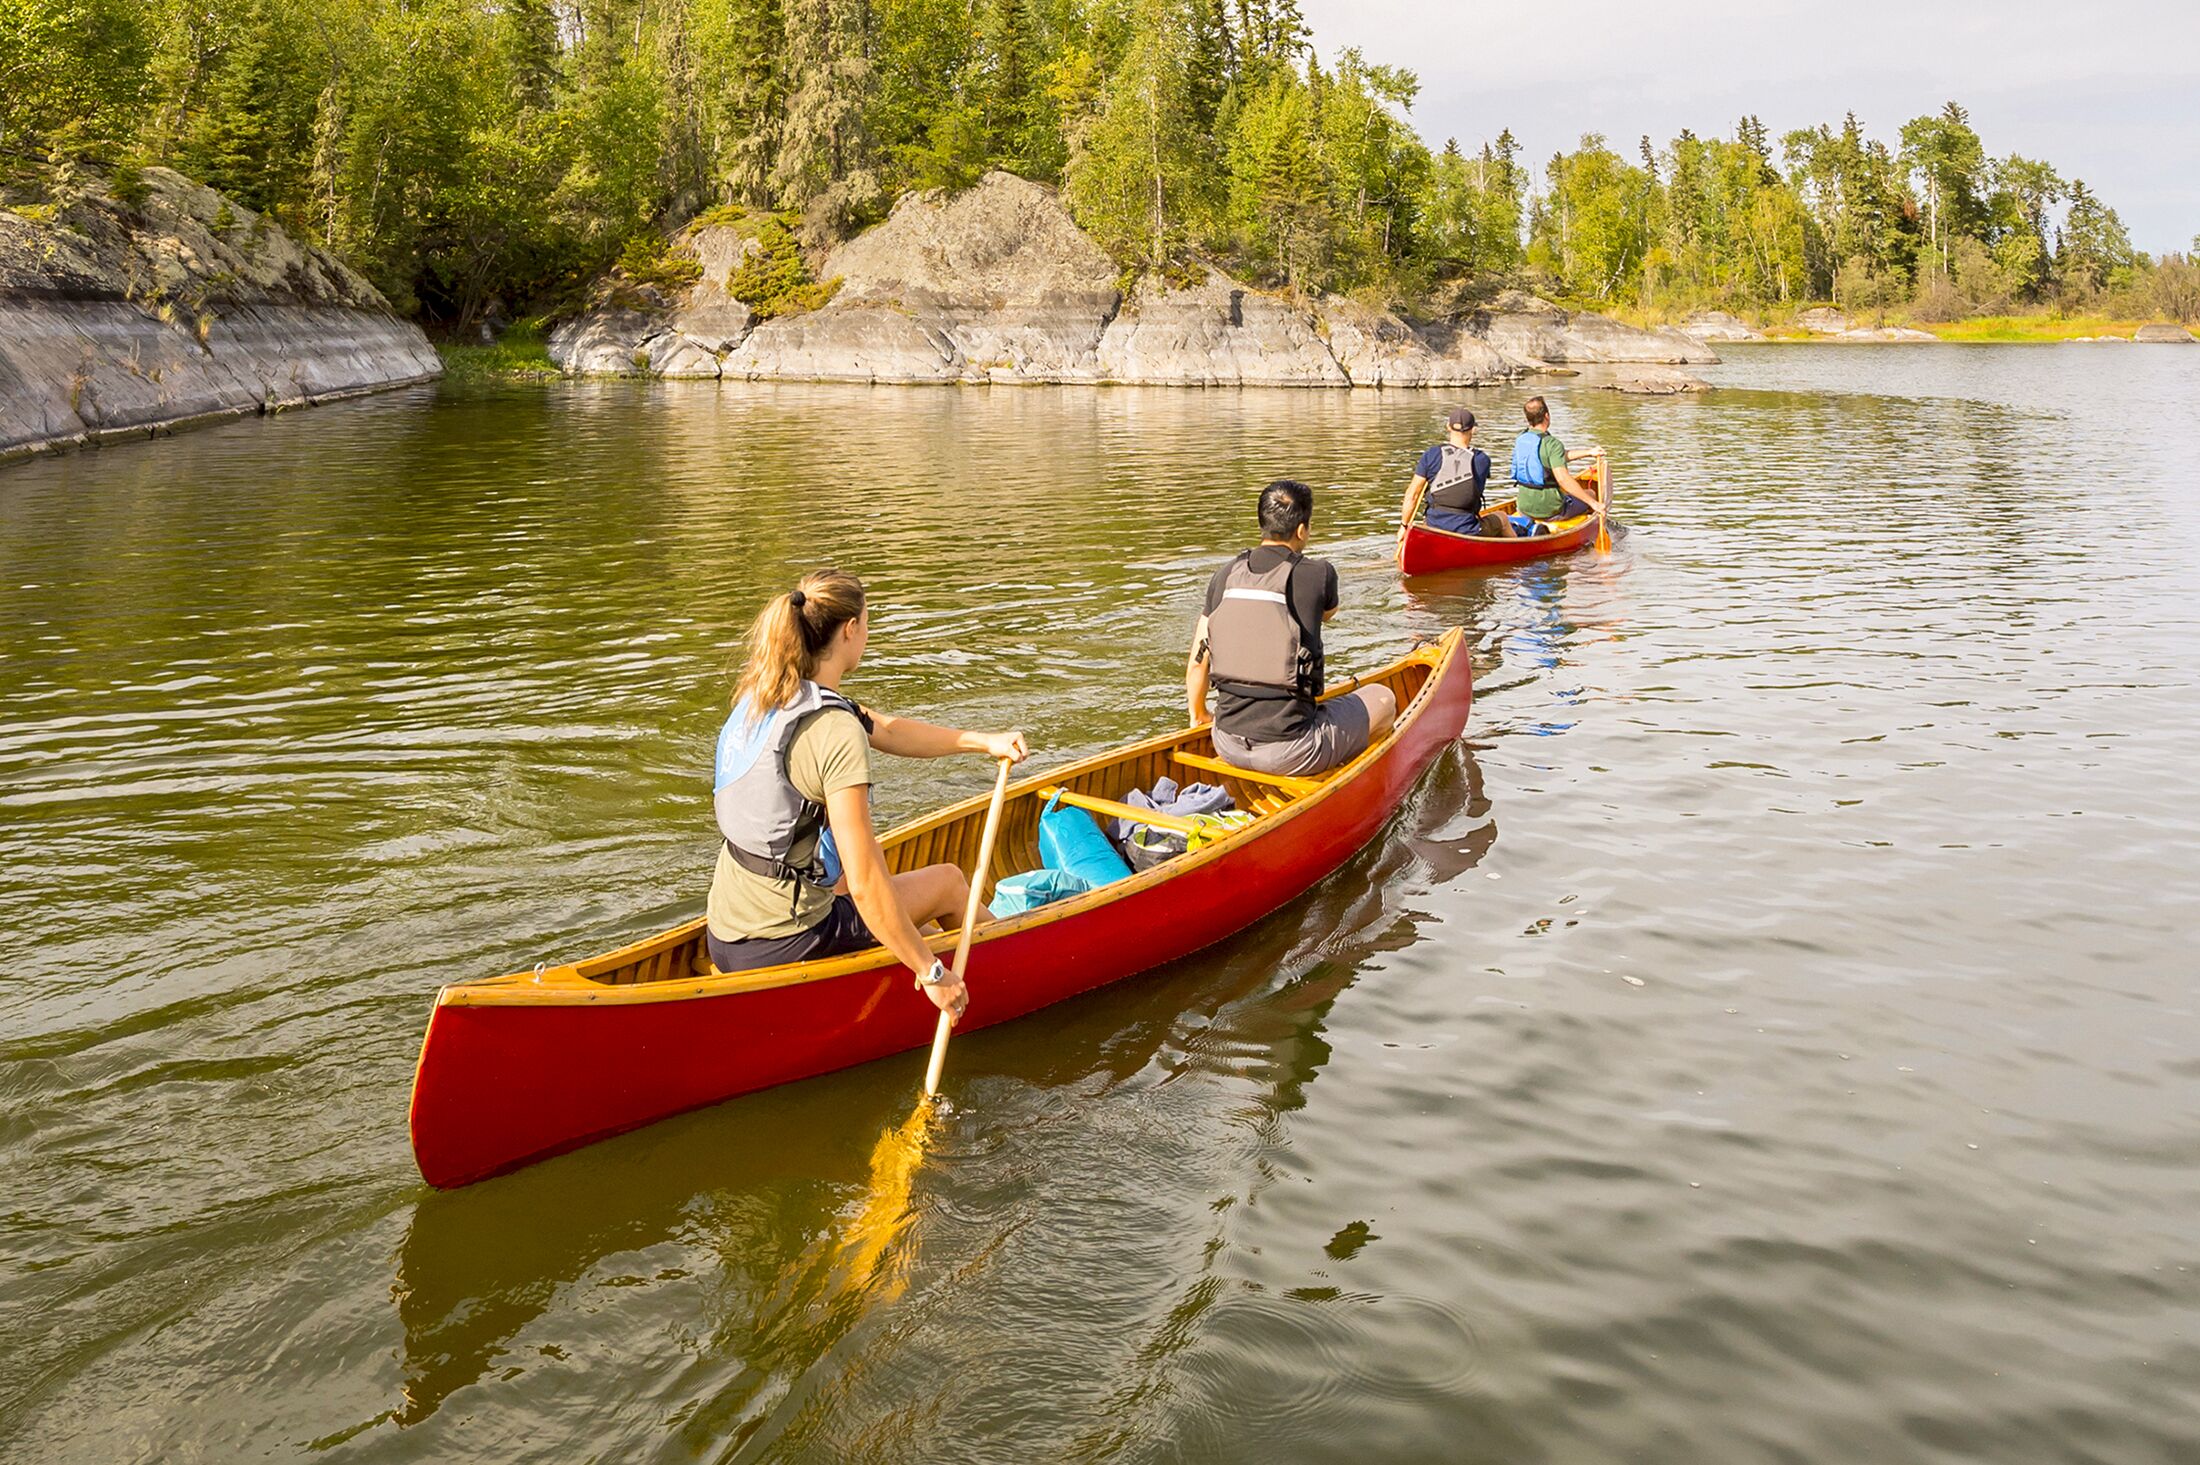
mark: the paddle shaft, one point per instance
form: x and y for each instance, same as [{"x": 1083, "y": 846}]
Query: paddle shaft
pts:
[
  {"x": 970, "y": 919},
  {"x": 1604, "y": 503}
]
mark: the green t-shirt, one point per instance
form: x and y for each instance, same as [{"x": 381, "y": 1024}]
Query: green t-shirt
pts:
[
  {"x": 829, "y": 754},
  {"x": 1545, "y": 502}
]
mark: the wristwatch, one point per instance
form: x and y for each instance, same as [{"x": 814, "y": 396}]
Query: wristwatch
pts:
[{"x": 938, "y": 976}]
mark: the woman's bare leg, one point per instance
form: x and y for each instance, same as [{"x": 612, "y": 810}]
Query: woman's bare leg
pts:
[{"x": 937, "y": 893}]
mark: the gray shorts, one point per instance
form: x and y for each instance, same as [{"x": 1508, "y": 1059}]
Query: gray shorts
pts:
[{"x": 1338, "y": 734}]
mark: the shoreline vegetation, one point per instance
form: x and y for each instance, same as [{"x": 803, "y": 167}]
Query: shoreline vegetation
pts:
[{"x": 489, "y": 160}]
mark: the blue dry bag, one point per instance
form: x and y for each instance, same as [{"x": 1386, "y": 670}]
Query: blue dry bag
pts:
[
  {"x": 1034, "y": 888},
  {"x": 1069, "y": 840}
]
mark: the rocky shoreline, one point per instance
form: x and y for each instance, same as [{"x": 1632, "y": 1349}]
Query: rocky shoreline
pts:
[
  {"x": 998, "y": 285},
  {"x": 177, "y": 308}
]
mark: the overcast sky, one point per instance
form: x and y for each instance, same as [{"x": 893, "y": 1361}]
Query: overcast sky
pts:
[{"x": 2110, "y": 93}]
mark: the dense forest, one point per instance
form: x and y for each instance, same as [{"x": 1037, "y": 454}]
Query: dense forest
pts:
[{"x": 469, "y": 152}]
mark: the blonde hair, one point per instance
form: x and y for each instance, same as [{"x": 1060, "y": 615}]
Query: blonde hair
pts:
[{"x": 790, "y": 633}]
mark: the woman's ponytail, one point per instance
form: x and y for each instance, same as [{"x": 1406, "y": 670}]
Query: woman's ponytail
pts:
[{"x": 790, "y": 633}]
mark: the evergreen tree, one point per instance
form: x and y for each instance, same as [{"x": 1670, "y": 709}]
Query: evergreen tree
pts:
[
  {"x": 532, "y": 50},
  {"x": 825, "y": 165},
  {"x": 2095, "y": 251},
  {"x": 1211, "y": 63},
  {"x": 1023, "y": 133}
]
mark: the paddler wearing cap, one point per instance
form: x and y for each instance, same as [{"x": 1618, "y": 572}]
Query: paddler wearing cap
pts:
[
  {"x": 794, "y": 763},
  {"x": 1453, "y": 474}
]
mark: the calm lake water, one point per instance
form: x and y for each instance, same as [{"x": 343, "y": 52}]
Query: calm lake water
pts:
[{"x": 1771, "y": 1035}]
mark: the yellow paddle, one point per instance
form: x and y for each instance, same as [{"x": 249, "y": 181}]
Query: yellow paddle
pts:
[
  {"x": 970, "y": 920},
  {"x": 1604, "y": 503},
  {"x": 895, "y": 1157}
]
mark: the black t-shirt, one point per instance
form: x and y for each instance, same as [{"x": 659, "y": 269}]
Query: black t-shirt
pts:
[{"x": 1269, "y": 717}]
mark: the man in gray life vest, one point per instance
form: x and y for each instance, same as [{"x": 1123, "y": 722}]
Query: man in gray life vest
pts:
[
  {"x": 1453, "y": 474},
  {"x": 1258, "y": 645}
]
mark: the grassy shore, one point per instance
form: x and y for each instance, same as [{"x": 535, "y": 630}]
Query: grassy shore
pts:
[
  {"x": 520, "y": 354},
  {"x": 1984, "y": 328},
  {"x": 2031, "y": 328}
]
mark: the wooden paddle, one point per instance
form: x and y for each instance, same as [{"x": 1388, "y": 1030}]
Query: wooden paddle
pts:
[
  {"x": 1604, "y": 503},
  {"x": 970, "y": 919}
]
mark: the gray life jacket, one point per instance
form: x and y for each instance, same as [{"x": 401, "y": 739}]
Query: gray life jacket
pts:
[
  {"x": 1254, "y": 642},
  {"x": 1453, "y": 486},
  {"x": 762, "y": 816}
]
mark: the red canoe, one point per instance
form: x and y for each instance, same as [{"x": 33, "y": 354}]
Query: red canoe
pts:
[
  {"x": 1426, "y": 551},
  {"x": 518, "y": 1068}
]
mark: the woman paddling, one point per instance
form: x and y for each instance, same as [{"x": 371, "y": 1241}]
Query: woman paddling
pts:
[{"x": 793, "y": 762}]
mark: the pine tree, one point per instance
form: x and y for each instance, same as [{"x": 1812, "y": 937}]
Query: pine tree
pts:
[
  {"x": 1022, "y": 133},
  {"x": 742, "y": 47},
  {"x": 825, "y": 166},
  {"x": 531, "y": 43},
  {"x": 1211, "y": 62},
  {"x": 2094, "y": 247}
]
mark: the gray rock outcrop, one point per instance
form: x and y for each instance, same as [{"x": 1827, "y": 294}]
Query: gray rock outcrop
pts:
[
  {"x": 1653, "y": 384},
  {"x": 1833, "y": 325},
  {"x": 1719, "y": 325},
  {"x": 1533, "y": 330},
  {"x": 1214, "y": 332},
  {"x": 2162, "y": 333},
  {"x": 995, "y": 283},
  {"x": 1377, "y": 349},
  {"x": 998, "y": 284},
  {"x": 119, "y": 320}
]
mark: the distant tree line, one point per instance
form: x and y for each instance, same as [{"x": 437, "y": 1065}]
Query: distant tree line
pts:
[{"x": 461, "y": 152}]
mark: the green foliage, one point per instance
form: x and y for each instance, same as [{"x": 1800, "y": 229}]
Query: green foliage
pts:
[
  {"x": 1591, "y": 231},
  {"x": 773, "y": 279},
  {"x": 127, "y": 183},
  {"x": 521, "y": 353},
  {"x": 1138, "y": 177},
  {"x": 2175, "y": 287},
  {"x": 477, "y": 154},
  {"x": 650, "y": 260},
  {"x": 72, "y": 74}
]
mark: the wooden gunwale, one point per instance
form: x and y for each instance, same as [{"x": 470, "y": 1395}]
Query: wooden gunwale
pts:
[{"x": 572, "y": 985}]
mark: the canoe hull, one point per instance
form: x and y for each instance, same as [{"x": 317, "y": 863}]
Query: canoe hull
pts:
[
  {"x": 501, "y": 1084},
  {"x": 1428, "y": 551}
]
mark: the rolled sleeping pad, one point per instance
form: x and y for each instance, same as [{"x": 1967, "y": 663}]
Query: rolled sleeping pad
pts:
[{"x": 1070, "y": 840}]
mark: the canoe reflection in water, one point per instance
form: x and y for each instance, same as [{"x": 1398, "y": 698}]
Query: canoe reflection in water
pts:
[{"x": 790, "y": 1225}]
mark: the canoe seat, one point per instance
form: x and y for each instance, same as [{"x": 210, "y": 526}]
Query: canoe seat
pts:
[{"x": 1290, "y": 783}]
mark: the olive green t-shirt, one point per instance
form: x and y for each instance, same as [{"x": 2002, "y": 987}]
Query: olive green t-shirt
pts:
[
  {"x": 829, "y": 754},
  {"x": 1545, "y": 502}
]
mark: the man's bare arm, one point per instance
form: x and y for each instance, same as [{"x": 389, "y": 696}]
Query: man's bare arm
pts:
[{"x": 1195, "y": 675}]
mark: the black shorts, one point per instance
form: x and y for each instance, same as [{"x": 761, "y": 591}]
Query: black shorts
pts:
[
  {"x": 841, "y": 932},
  {"x": 1569, "y": 507}
]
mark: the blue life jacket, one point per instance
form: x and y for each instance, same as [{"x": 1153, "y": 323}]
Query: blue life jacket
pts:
[{"x": 1528, "y": 460}]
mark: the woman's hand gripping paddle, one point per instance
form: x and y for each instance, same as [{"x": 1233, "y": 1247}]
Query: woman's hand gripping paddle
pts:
[{"x": 970, "y": 919}]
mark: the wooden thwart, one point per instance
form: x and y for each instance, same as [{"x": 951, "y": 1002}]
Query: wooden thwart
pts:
[
  {"x": 1291, "y": 784},
  {"x": 1114, "y": 810}
]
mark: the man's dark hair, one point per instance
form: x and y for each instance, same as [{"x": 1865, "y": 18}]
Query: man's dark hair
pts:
[
  {"x": 1538, "y": 413},
  {"x": 1284, "y": 506}
]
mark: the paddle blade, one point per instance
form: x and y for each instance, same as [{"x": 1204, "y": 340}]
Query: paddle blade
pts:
[{"x": 885, "y": 1214}]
